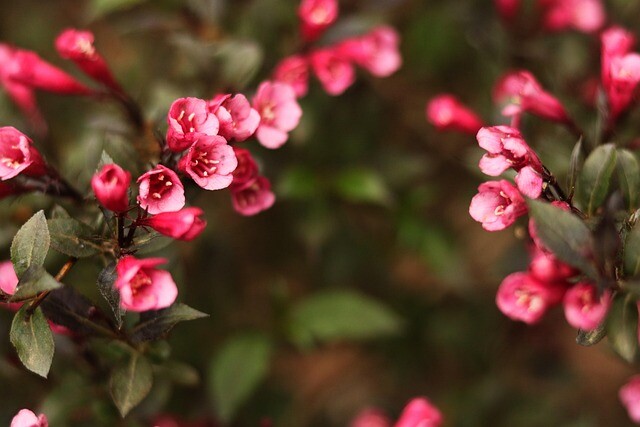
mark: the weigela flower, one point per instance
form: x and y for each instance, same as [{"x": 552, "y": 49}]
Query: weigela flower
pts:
[
  {"x": 522, "y": 297},
  {"x": 188, "y": 118},
  {"x": 583, "y": 15},
  {"x": 335, "y": 72},
  {"x": 18, "y": 155},
  {"x": 371, "y": 418},
  {"x": 279, "y": 113},
  {"x": 247, "y": 170},
  {"x": 520, "y": 92},
  {"x": 238, "y": 121},
  {"x": 254, "y": 198},
  {"x": 142, "y": 286},
  {"x": 497, "y": 205},
  {"x": 26, "y": 418},
  {"x": 377, "y": 51},
  {"x": 583, "y": 308},
  {"x": 616, "y": 42},
  {"x": 8, "y": 278},
  {"x": 185, "y": 224},
  {"x": 545, "y": 267},
  {"x": 624, "y": 76},
  {"x": 420, "y": 412},
  {"x": 160, "y": 190},
  {"x": 629, "y": 395},
  {"x": 77, "y": 46},
  {"x": 316, "y": 16},
  {"x": 293, "y": 70},
  {"x": 29, "y": 69},
  {"x": 508, "y": 9},
  {"x": 445, "y": 112},
  {"x": 209, "y": 162},
  {"x": 111, "y": 187},
  {"x": 507, "y": 149}
]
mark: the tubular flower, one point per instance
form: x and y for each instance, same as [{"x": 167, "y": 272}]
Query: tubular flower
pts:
[
  {"x": 520, "y": 92},
  {"x": 445, "y": 112},
  {"x": 497, "y": 205},
  {"x": 26, "y": 418},
  {"x": 8, "y": 278},
  {"x": 583, "y": 308},
  {"x": 624, "y": 76},
  {"x": 335, "y": 72},
  {"x": 587, "y": 16},
  {"x": 209, "y": 162},
  {"x": 316, "y": 16},
  {"x": 522, "y": 297},
  {"x": 279, "y": 113},
  {"x": 377, "y": 51},
  {"x": 142, "y": 287},
  {"x": 238, "y": 121},
  {"x": 507, "y": 149},
  {"x": 616, "y": 42},
  {"x": 247, "y": 170},
  {"x": 293, "y": 70},
  {"x": 420, "y": 412},
  {"x": 160, "y": 190},
  {"x": 188, "y": 118},
  {"x": 254, "y": 198},
  {"x": 18, "y": 155},
  {"x": 111, "y": 187},
  {"x": 629, "y": 395},
  {"x": 185, "y": 224}
]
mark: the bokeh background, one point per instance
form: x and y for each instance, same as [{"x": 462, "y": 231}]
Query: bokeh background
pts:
[{"x": 367, "y": 283}]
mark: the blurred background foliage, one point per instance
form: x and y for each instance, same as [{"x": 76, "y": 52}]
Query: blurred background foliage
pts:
[{"x": 367, "y": 283}]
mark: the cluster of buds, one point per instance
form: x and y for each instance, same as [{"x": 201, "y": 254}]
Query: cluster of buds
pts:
[
  {"x": 333, "y": 65},
  {"x": 587, "y": 16},
  {"x": 419, "y": 412}
]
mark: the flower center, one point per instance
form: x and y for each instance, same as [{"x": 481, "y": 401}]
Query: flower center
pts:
[
  {"x": 139, "y": 282},
  {"x": 159, "y": 185},
  {"x": 203, "y": 165}
]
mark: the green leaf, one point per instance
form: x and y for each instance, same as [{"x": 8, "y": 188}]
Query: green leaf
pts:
[
  {"x": 632, "y": 252},
  {"x": 32, "y": 338},
  {"x": 362, "y": 186},
  {"x": 31, "y": 244},
  {"x": 575, "y": 165},
  {"x": 106, "y": 279},
  {"x": 71, "y": 237},
  {"x": 593, "y": 182},
  {"x": 34, "y": 281},
  {"x": 99, "y": 8},
  {"x": 629, "y": 176},
  {"x": 240, "y": 61},
  {"x": 131, "y": 382},
  {"x": 149, "y": 242},
  {"x": 622, "y": 327},
  {"x": 155, "y": 324},
  {"x": 564, "y": 234},
  {"x": 237, "y": 370},
  {"x": 337, "y": 315},
  {"x": 589, "y": 338},
  {"x": 59, "y": 212}
]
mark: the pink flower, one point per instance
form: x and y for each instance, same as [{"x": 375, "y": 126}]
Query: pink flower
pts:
[
  {"x": 29, "y": 69},
  {"x": 142, "y": 287},
  {"x": 419, "y": 412},
  {"x": 316, "y": 16},
  {"x": 247, "y": 170},
  {"x": 629, "y": 395},
  {"x": 160, "y": 190},
  {"x": 507, "y": 149},
  {"x": 18, "y": 155},
  {"x": 238, "y": 121},
  {"x": 377, "y": 52},
  {"x": 371, "y": 417},
  {"x": 254, "y": 198},
  {"x": 8, "y": 278},
  {"x": 209, "y": 162},
  {"x": 497, "y": 205},
  {"x": 508, "y": 9},
  {"x": 188, "y": 118},
  {"x": 583, "y": 308},
  {"x": 293, "y": 70},
  {"x": 545, "y": 267},
  {"x": 624, "y": 76},
  {"x": 445, "y": 112},
  {"x": 78, "y": 46},
  {"x": 522, "y": 297},
  {"x": 521, "y": 92},
  {"x": 335, "y": 72},
  {"x": 279, "y": 113},
  {"x": 616, "y": 42},
  {"x": 111, "y": 187},
  {"x": 26, "y": 418},
  {"x": 185, "y": 224},
  {"x": 584, "y": 15}
]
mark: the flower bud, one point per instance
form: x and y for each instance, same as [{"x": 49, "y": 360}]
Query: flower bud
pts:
[
  {"x": 111, "y": 187},
  {"x": 293, "y": 70},
  {"x": 445, "y": 112},
  {"x": 629, "y": 395},
  {"x": 185, "y": 224},
  {"x": 316, "y": 16},
  {"x": 26, "y": 418},
  {"x": 420, "y": 412},
  {"x": 8, "y": 278},
  {"x": 18, "y": 155},
  {"x": 143, "y": 287},
  {"x": 160, "y": 190}
]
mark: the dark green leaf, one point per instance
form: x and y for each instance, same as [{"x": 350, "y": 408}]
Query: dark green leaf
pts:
[
  {"x": 34, "y": 281},
  {"x": 73, "y": 238},
  {"x": 565, "y": 235},
  {"x": 131, "y": 382},
  {"x": 31, "y": 244},
  {"x": 629, "y": 176},
  {"x": 362, "y": 186},
  {"x": 622, "y": 327},
  {"x": 71, "y": 309},
  {"x": 593, "y": 182},
  {"x": 155, "y": 324},
  {"x": 149, "y": 242},
  {"x": 575, "y": 165},
  {"x": 632, "y": 252},
  {"x": 336, "y": 315},
  {"x": 106, "y": 279},
  {"x": 32, "y": 338},
  {"x": 589, "y": 338},
  {"x": 237, "y": 370}
]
